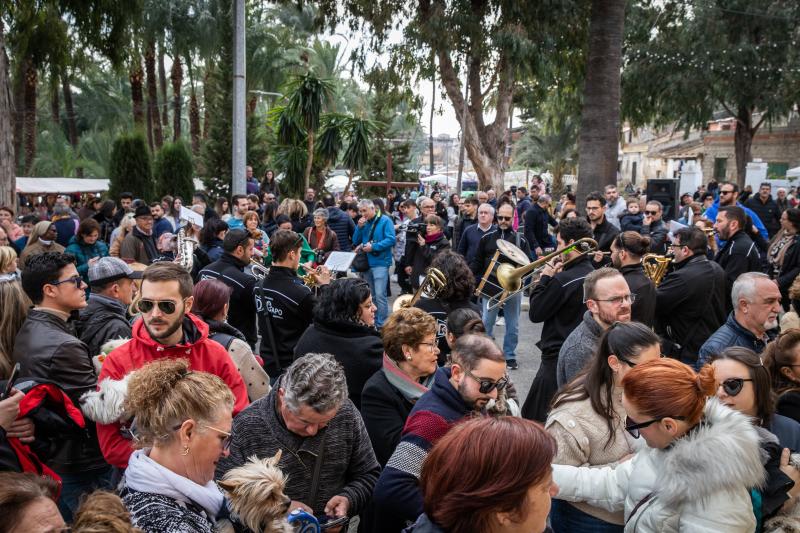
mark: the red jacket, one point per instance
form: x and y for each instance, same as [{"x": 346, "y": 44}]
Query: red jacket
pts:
[{"x": 203, "y": 355}]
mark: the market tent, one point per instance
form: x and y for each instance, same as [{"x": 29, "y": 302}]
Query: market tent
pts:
[
  {"x": 793, "y": 172},
  {"x": 60, "y": 185}
]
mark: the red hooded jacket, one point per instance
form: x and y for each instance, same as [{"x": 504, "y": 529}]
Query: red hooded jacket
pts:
[{"x": 203, "y": 354}]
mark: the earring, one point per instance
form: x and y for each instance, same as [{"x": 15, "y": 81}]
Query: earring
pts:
[
  {"x": 408, "y": 358},
  {"x": 185, "y": 451}
]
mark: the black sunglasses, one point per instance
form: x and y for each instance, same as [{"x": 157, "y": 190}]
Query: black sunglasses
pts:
[
  {"x": 77, "y": 280},
  {"x": 725, "y": 192},
  {"x": 651, "y": 212},
  {"x": 504, "y": 218},
  {"x": 165, "y": 306},
  {"x": 733, "y": 386},
  {"x": 633, "y": 427},
  {"x": 485, "y": 385}
]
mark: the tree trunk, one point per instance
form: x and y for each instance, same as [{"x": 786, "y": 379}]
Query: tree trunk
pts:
[
  {"x": 154, "y": 118},
  {"x": 349, "y": 183},
  {"x": 31, "y": 80},
  {"x": 599, "y": 135},
  {"x": 251, "y": 105},
  {"x": 55, "y": 104},
  {"x": 309, "y": 160},
  {"x": 69, "y": 109},
  {"x": 150, "y": 126},
  {"x": 18, "y": 107},
  {"x": 743, "y": 142},
  {"x": 177, "y": 81},
  {"x": 8, "y": 161},
  {"x": 194, "y": 121},
  {"x": 137, "y": 97},
  {"x": 433, "y": 104},
  {"x": 207, "y": 91},
  {"x": 162, "y": 82}
]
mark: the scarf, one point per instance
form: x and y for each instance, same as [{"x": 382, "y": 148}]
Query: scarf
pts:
[
  {"x": 433, "y": 238},
  {"x": 410, "y": 389},
  {"x": 148, "y": 242},
  {"x": 145, "y": 475},
  {"x": 45, "y": 243}
]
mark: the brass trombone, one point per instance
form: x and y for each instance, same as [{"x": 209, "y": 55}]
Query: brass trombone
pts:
[
  {"x": 513, "y": 280},
  {"x": 431, "y": 286}
]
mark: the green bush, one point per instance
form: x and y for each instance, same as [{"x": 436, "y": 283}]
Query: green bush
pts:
[
  {"x": 129, "y": 168},
  {"x": 173, "y": 171}
]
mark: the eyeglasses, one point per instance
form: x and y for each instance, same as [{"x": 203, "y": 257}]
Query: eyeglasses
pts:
[
  {"x": 431, "y": 344},
  {"x": 77, "y": 280},
  {"x": 733, "y": 386},
  {"x": 504, "y": 218},
  {"x": 485, "y": 385},
  {"x": 723, "y": 193},
  {"x": 618, "y": 300},
  {"x": 633, "y": 428},
  {"x": 651, "y": 213},
  {"x": 165, "y": 306},
  {"x": 226, "y": 442}
]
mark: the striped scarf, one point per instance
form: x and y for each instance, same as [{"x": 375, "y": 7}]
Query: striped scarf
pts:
[{"x": 410, "y": 389}]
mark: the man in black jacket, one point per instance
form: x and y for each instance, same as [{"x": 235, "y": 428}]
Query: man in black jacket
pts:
[
  {"x": 653, "y": 226},
  {"x": 467, "y": 217},
  {"x": 557, "y": 300},
  {"x": 46, "y": 349},
  {"x": 537, "y": 220},
  {"x": 766, "y": 208},
  {"x": 340, "y": 223},
  {"x": 229, "y": 269},
  {"x": 603, "y": 231},
  {"x": 284, "y": 304},
  {"x": 740, "y": 254},
  {"x": 690, "y": 301},
  {"x": 105, "y": 318}
]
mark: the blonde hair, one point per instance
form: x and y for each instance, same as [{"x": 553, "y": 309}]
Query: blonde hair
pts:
[
  {"x": 292, "y": 208},
  {"x": 14, "y": 303},
  {"x": 163, "y": 394},
  {"x": 7, "y": 257},
  {"x": 103, "y": 512}
]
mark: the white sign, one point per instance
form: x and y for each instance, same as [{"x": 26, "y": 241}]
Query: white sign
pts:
[{"x": 190, "y": 216}]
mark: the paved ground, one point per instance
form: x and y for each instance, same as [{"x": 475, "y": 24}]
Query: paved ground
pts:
[{"x": 528, "y": 355}]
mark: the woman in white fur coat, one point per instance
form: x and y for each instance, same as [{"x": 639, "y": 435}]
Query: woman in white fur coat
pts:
[{"x": 698, "y": 464}]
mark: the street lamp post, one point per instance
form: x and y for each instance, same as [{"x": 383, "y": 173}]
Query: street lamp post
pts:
[{"x": 238, "y": 160}]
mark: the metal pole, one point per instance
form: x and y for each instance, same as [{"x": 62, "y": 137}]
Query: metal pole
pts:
[{"x": 239, "y": 122}]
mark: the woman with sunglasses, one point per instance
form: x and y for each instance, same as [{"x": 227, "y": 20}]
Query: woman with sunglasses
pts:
[
  {"x": 694, "y": 472},
  {"x": 588, "y": 421},
  {"x": 782, "y": 359},
  {"x": 182, "y": 429}
]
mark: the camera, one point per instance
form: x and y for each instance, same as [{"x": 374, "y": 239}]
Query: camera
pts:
[{"x": 414, "y": 229}]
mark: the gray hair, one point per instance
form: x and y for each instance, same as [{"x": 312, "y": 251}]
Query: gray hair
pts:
[
  {"x": 315, "y": 380},
  {"x": 60, "y": 210},
  {"x": 745, "y": 287},
  {"x": 365, "y": 204},
  {"x": 321, "y": 213},
  {"x": 486, "y": 206}
]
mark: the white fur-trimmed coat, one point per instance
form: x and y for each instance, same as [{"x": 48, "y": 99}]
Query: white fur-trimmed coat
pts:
[{"x": 699, "y": 485}]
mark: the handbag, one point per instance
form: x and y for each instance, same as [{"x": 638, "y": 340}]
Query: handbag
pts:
[{"x": 361, "y": 262}]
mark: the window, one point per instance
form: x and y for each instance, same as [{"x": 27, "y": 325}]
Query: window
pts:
[
  {"x": 777, "y": 170},
  {"x": 720, "y": 167}
]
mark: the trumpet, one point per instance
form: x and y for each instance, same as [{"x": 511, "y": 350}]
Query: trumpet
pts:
[
  {"x": 258, "y": 268},
  {"x": 431, "y": 286},
  {"x": 513, "y": 280},
  {"x": 655, "y": 266}
]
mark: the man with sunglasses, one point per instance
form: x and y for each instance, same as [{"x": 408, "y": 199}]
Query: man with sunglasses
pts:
[
  {"x": 653, "y": 226},
  {"x": 237, "y": 249},
  {"x": 729, "y": 195},
  {"x": 754, "y": 321},
  {"x": 47, "y": 349},
  {"x": 609, "y": 300},
  {"x": 513, "y": 304},
  {"x": 476, "y": 376},
  {"x": 166, "y": 328}
]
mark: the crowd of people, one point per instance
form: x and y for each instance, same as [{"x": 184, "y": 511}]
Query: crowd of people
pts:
[{"x": 154, "y": 360}]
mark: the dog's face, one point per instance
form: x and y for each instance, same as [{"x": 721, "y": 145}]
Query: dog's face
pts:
[{"x": 256, "y": 492}]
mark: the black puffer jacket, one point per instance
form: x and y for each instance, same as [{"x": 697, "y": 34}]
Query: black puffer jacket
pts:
[
  {"x": 47, "y": 350},
  {"x": 242, "y": 309},
  {"x": 357, "y": 347},
  {"x": 104, "y": 319},
  {"x": 343, "y": 226}
]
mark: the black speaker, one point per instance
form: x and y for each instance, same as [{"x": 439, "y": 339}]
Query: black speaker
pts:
[{"x": 665, "y": 191}]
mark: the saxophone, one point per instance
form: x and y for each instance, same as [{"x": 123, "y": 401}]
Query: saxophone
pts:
[{"x": 184, "y": 253}]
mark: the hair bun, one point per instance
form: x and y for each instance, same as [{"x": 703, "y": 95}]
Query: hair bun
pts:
[
  {"x": 150, "y": 384},
  {"x": 705, "y": 380}
]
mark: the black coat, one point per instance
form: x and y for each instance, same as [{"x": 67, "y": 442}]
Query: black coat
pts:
[
  {"x": 604, "y": 234},
  {"x": 357, "y": 347},
  {"x": 739, "y": 255},
  {"x": 343, "y": 226},
  {"x": 788, "y": 404},
  {"x": 242, "y": 308},
  {"x": 537, "y": 220},
  {"x": 439, "y": 310},
  {"x": 423, "y": 256},
  {"x": 644, "y": 308},
  {"x": 104, "y": 319},
  {"x": 790, "y": 269},
  {"x": 690, "y": 306},
  {"x": 487, "y": 246},
  {"x": 768, "y": 212},
  {"x": 384, "y": 410},
  {"x": 657, "y": 231}
]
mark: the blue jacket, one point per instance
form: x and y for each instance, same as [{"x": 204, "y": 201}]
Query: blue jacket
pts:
[
  {"x": 382, "y": 240},
  {"x": 162, "y": 225},
  {"x": 470, "y": 239},
  {"x": 711, "y": 214},
  {"x": 731, "y": 333},
  {"x": 83, "y": 252},
  {"x": 343, "y": 226}
]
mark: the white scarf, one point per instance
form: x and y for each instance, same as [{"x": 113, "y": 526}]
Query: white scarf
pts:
[
  {"x": 145, "y": 475},
  {"x": 44, "y": 242}
]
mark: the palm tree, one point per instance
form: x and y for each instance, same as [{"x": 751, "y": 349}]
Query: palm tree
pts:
[
  {"x": 553, "y": 149},
  {"x": 8, "y": 181},
  {"x": 359, "y": 141},
  {"x": 600, "y": 119},
  {"x": 306, "y": 97}
]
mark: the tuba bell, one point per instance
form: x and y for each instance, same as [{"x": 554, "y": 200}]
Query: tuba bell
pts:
[
  {"x": 655, "y": 266},
  {"x": 431, "y": 286}
]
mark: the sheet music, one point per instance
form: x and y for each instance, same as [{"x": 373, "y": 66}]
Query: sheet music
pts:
[{"x": 340, "y": 261}]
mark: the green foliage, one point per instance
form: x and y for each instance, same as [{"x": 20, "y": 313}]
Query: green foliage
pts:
[
  {"x": 331, "y": 140},
  {"x": 290, "y": 154},
  {"x": 55, "y": 157},
  {"x": 173, "y": 171},
  {"x": 307, "y": 95},
  {"x": 554, "y": 149},
  {"x": 130, "y": 169}
]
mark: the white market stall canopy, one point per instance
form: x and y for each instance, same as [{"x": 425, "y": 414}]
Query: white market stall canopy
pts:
[
  {"x": 60, "y": 185},
  {"x": 793, "y": 172}
]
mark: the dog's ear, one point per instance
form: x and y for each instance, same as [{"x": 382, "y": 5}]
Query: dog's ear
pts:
[
  {"x": 276, "y": 458},
  {"x": 227, "y": 486}
]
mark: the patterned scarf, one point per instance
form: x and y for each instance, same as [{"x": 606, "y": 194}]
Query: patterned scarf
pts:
[{"x": 410, "y": 389}]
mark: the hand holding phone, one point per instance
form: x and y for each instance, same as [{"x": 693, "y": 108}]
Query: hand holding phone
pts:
[{"x": 10, "y": 383}]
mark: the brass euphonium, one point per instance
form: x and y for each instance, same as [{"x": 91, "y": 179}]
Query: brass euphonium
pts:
[
  {"x": 655, "y": 266},
  {"x": 431, "y": 286}
]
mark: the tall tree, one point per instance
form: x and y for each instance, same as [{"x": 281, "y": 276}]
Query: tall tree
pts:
[
  {"x": 600, "y": 120},
  {"x": 8, "y": 170},
  {"x": 306, "y": 98},
  {"x": 154, "y": 117},
  {"x": 688, "y": 63},
  {"x": 136, "y": 78}
]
